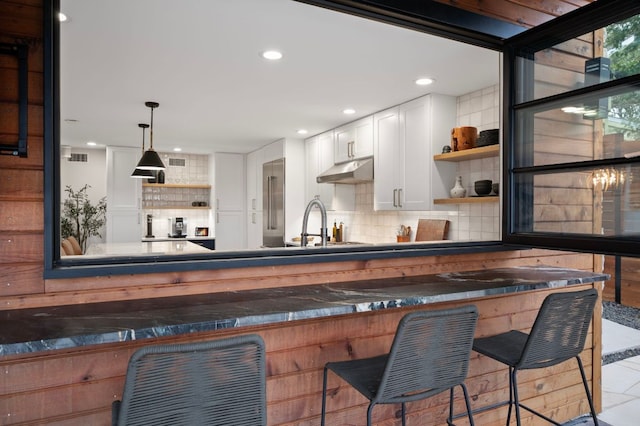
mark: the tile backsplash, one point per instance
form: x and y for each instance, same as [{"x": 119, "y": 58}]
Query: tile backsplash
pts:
[
  {"x": 182, "y": 169},
  {"x": 185, "y": 168}
]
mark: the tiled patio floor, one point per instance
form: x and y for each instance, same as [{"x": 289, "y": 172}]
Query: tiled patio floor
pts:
[{"x": 621, "y": 379}]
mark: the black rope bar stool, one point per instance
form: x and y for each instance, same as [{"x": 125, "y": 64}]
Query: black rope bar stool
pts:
[
  {"x": 429, "y": 355},
  {"x": 218, "y": 382},
  {"x": 558, "y": 334}
]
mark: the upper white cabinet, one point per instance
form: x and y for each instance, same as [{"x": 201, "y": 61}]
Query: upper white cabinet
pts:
[
  {"x": 405, "y": 138},
  {"x": 318, "y": 158},
  {"x": 386, "y": 159},
  {"x": 354, "y": 140}
]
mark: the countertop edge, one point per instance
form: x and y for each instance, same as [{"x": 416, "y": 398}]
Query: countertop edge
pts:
[{"x": 329, "y": 308}]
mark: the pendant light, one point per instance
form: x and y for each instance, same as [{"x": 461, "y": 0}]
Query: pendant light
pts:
[
  {"x": 139, "y": 173},
  {"x": 150, "y": 159}
]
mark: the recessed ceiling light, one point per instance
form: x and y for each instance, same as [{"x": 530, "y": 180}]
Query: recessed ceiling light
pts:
[
  {"x": 62, "y": 17},
  {"x": 177, "y": 149},
  {"x": 302, "y": 132},
  {"x": 91, "y": 143},
  {"x": 349, "y": 111},
  {"x": 424, "y": 81},
  {"x": 272, "y": 55}
]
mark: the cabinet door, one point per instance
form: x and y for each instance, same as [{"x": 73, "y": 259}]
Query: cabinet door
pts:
[
  {"x": 363, "y": 138},
  {"x": 123, "y": 196},
  {"x": 344, "y": 140},
  {"x": 415, "y": 155},
  {"x": 229, "y": 181},
  {"x": 386, "y": 159},
  {"x": 254, "y": 229},
  {"x": 254, "y": 180},
  {"x": 318, "y": 158},
  {"x": 325, "y": 161},
  {"x": 254, "y": 199},
  {"x": 354, "y": 140},
  {"x": 230, "y": 230}
]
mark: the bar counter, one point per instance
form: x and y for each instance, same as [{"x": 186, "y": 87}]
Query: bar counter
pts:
[{"x": 31, "y": 331}]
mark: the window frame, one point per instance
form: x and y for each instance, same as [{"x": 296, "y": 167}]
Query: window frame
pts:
[
  {"x": 429, "y": 17},
  {"x": 588, "y": 18}
]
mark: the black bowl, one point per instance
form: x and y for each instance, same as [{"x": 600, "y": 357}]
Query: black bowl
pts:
[{"x": 482, "y": 187}]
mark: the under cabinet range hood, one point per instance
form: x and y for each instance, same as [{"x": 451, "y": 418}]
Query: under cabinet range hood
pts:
[{"x": 356, "y": 171}]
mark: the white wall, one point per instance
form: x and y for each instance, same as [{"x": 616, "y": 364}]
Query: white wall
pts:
[{"x": 92, "y": 173}]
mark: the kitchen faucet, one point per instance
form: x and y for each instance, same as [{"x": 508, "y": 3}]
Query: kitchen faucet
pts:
[{"x": 323, "y": 230}]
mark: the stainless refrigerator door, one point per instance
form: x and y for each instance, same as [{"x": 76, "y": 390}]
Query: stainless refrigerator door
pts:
[{"x": 273, "y": 203}]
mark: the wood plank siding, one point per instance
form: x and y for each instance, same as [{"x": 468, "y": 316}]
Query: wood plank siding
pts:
[{"x": 76, "y": 387}]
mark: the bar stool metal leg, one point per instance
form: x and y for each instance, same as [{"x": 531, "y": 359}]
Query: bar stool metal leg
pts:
[
  {"x": 586, "y": 388},
  {"x": 324, "y": 396}
]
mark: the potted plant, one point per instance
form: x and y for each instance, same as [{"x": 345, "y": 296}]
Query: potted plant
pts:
[{"x": 80, "y": 218}]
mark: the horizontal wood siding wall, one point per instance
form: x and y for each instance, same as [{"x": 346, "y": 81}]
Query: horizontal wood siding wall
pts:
[
  {"x": 629, "y": 281},
  {"x": 77, "y": 387},
  {"x": 526, "y": 13},
  {"x": 21, "y": 179}
]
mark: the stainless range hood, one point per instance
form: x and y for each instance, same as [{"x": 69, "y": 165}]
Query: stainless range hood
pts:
[{"x": 356, "y": 171}]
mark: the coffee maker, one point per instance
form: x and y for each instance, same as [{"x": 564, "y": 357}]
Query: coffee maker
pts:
[{"x": 178, "y": 227}]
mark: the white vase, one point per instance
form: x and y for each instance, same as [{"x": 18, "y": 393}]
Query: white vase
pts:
[{"x": 458, "y": 191}]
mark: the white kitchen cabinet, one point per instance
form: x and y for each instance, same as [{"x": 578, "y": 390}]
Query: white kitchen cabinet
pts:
[
  {"x": 123, "y": 223},
  {"x": 354, "y": 140},
  {"x": 254, "y": 199},
  {"x": 230, "y": 195},
  {"x": 386, "y": 161},
  {"x": 405, "y": 138},
  {"x": 318, "y": 158}
]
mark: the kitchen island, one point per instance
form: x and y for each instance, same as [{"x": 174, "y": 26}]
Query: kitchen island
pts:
[
  {"x": 88, "y": 345},
  {"x": 146, "y": 248}
]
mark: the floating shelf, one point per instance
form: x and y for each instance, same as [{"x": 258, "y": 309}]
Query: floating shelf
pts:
[
  {"x": 177, "y": 208},
  {"x": 176, "y": 185},
  {"x": 467, "y": 200},
  {"x": 469, "y": 154}
]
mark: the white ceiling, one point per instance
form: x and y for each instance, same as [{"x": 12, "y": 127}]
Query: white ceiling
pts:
[{"x": 201, "y": 60}]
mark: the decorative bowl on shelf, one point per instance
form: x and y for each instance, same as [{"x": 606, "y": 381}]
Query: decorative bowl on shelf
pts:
[
  {"x": 482, "y": 187},
  {"x": 488, "y": 137}
]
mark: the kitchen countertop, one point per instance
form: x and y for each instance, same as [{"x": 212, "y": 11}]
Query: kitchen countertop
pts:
[
  {"x": 167, "y": 238},
  {"x": 175, "y": 246},
  {"x": 63, "y": 327}
]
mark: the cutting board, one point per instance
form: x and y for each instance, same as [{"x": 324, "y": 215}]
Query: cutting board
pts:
[{"x": 432, "y": 230}]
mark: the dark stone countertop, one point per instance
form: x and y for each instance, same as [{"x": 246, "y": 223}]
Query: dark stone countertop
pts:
[{"x": 63, "y": 327}]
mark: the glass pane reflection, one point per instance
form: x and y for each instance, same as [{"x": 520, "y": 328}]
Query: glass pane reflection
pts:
[
  {"x": 605, "y": 54},
  {"x": 598, "y": 201}
]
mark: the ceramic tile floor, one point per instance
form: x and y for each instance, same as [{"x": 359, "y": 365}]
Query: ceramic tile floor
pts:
[{"x": 621, "y": 379}]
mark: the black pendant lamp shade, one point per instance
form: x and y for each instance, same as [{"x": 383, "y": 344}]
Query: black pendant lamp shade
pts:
[
  {"x": 139, "y": 173},
  {"x": 150, "y": 159}
]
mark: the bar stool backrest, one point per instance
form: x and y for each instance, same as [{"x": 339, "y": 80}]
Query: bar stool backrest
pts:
[
  {"x": 430, "y": 353},
  {"x": 219, "y": 382},
  {"x": 560, "y": 329}
]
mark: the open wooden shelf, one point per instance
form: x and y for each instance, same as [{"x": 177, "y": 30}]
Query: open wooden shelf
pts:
[
  {"x": 469, "y": 154},
  {"x": 467, "y": 200},
  {"x": 177, "y": 185},
  {"x": 177, "y": 208}
]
